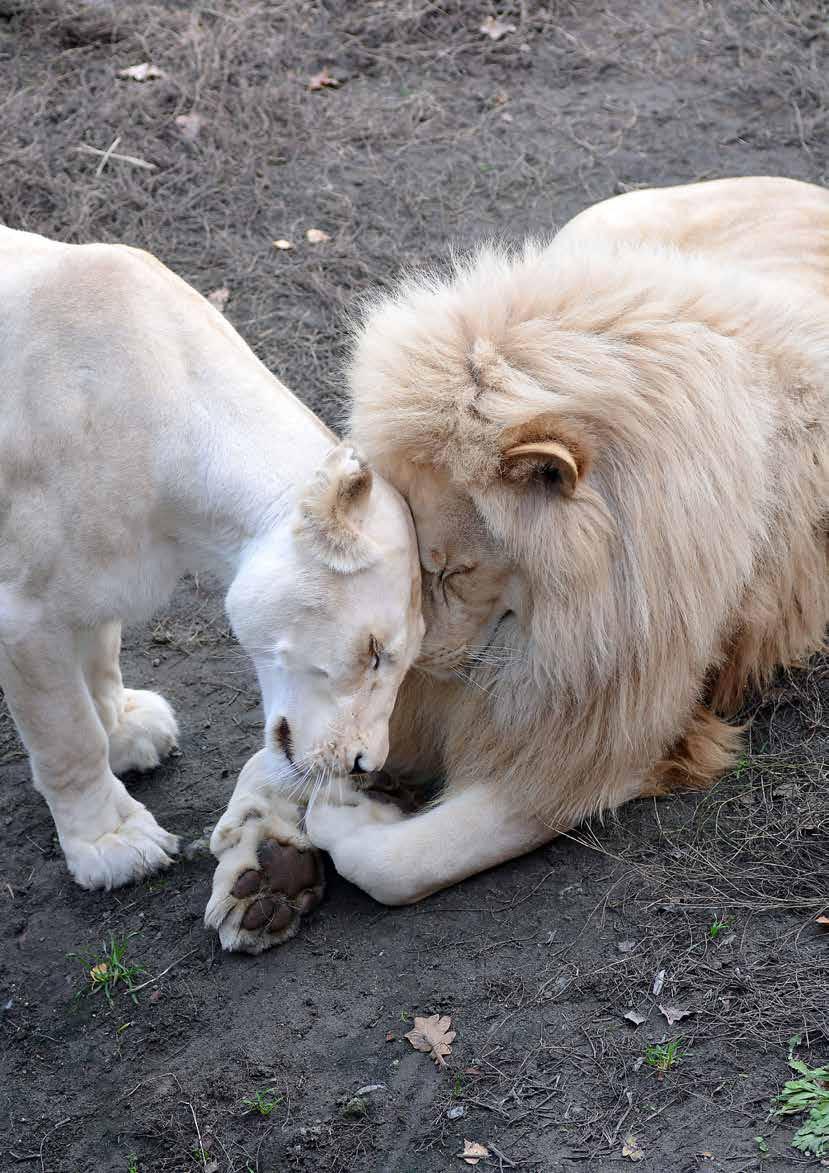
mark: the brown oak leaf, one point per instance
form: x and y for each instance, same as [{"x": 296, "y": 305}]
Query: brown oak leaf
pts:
[
  {"x": 143, "y": 72},
  {"x": 495, "y": 28},
  {"x": 218, "y": 297},
  {"x": 632, "y": 1149},
  {"x": 322, "y": 79},
  {"x": 190, "y": 125},
  {"x": 673, "y": 1013},
  {"x": 473, "y": 1151},
  {"x": 432, "y": 1035}
]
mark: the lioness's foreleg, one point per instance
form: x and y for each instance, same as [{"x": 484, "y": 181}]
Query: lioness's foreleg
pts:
[
  {"x": 400, "y": 860},
  {"x": 269, "y": 874},
  {"x": 141, "y": 725},
  {"x": 107, "y": 837}
]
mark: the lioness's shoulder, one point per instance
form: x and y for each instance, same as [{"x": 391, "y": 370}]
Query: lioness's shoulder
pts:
[
  {"x": 108, "y": 265},
  {"x": 106, "y": 283}
]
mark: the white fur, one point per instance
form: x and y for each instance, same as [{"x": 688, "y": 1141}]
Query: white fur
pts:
[
  {"x": 258, "y": 811},
  {"x": 584, "y": 639},
  {"x": 139, "y": 438}
]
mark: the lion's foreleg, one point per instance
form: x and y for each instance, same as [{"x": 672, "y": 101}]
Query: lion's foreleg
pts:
[{"x": 401, "y": 860}]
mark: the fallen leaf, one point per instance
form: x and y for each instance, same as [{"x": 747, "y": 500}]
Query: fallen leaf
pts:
[
  {"x": 390, "y": 1036},
  {"x": 219, "y": 297},
  {"x": 473, "y": 1151},
  {"x": 99, "y": 971},
  {"x": 322, "y": 79},
  {"x": 494, "y": 28},
  {"x": 432, "y": 1035},
  {"x": 822, "y": 920},
  {"x": 190, "y": 125},
  {"x": 632, "y": 1149},
  {"x": 625, "y": 946},
  {"x": 673, "y": 1013},
  {"x": 455, "y": 1112},
  {"x": 635, "y": 1017},
  {"x": 658, "y": 983},
  {"x": 142, "y": 72},
  {"x": 283, "y": 244},
  {"x": 787, "y": 789},
  {"x": 316, "y": 236}
]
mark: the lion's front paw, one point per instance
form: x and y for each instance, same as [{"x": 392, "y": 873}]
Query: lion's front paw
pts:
[
  {"x": 260, "y": 902},
  {"x": 330, "y": 824},
  {"x": 146, "y": 733}
]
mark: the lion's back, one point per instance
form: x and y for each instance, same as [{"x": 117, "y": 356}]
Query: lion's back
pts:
[{"x": 776, "y": 226}]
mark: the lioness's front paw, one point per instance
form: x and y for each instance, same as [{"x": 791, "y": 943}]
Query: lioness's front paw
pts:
[
  {"x": 259, "y": 902},
  {"x": 146, "y": 733},
  {"x": 135, "y": 848}
]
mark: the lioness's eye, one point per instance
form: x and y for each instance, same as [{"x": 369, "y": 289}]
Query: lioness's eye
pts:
[{"x": 374, "y": 651}]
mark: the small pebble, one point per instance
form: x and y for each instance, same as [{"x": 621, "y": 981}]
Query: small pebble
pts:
[{"x": 356, "y": 1107}]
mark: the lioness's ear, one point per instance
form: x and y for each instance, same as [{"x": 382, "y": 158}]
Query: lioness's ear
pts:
[
  {"x": 332, "y": 511},
  {"x": 547, "y": 460}
]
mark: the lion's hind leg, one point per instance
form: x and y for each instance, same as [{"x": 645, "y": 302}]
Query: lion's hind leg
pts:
[{"x": 708, "y": 748}]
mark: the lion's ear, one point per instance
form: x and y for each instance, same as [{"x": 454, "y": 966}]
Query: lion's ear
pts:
[
  {"x": 332, "y": 510},
  {"x": 546, "y": 460}
]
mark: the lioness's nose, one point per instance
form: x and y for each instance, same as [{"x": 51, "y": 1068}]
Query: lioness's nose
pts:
[{"x": 357, "y": 768}]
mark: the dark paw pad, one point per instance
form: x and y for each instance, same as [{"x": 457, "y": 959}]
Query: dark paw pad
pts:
[
  {"x": 286, "y": 886},
  {"x": 287, "y": 869},
  {"x": 266, "y": 913}
]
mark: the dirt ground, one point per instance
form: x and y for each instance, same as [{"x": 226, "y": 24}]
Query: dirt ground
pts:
[{"x": 437, "y": 135}]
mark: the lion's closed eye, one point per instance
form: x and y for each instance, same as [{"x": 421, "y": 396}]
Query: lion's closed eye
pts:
[{"x": 453, "y": 579}]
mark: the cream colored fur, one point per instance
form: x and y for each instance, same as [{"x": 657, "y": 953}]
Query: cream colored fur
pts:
[
  {"x": 675, "y": 344},
  {"x": 140, "y": 438}
]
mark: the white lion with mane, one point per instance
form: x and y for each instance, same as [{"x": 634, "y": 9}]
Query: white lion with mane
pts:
[{"x": 616, "y": 450}]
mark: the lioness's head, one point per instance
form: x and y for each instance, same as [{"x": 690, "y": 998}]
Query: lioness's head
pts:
[{"x": 333, "y": 620}]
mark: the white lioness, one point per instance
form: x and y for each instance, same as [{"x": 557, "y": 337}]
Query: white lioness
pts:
[
  {"x": 616, "y": 450},
  {"x": 140, "y": 438}
]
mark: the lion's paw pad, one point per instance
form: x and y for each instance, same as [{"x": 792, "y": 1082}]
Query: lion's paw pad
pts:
[{"x": 256, "y": 908}]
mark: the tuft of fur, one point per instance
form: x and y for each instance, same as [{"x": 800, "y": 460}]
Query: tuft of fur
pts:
[{"x": 689, "y": 381}]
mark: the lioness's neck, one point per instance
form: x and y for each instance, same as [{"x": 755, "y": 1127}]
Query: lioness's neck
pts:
[{"x": 249, "y": 448}]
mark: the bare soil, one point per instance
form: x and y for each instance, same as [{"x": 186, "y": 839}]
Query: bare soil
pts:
[{"x": 436, "y": 136}]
